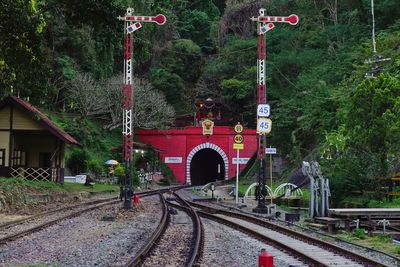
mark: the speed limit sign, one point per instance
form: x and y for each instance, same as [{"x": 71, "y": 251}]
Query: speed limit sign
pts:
[
  {"x": 238, "y": 139},
  {"x": 264, "y": 125}
]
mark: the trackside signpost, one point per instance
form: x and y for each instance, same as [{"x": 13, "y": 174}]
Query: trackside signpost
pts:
[{"x": 238, "y": 145}]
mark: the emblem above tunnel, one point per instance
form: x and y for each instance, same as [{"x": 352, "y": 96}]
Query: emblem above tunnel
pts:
[{"x": 208, "y": 126}]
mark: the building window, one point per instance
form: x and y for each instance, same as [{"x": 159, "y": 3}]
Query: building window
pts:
[
  {"x": 19, "y": 158},
  {"x": 2, "y": 157}
]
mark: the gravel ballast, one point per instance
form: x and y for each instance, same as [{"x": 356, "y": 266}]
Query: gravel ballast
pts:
[
  {"x": 225, "y": 246},
  {"x": 88, "y": 240}
]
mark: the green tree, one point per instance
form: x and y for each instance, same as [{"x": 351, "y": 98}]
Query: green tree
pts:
[
  {"x": 196, "y": 26},
  {"x": 373, "y": 118},
  {"x": 22, "y": 62},
  {"x": 77, "y": 161}
]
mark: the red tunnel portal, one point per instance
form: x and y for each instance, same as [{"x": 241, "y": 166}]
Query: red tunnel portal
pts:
[{"x": 194, "y": 158}]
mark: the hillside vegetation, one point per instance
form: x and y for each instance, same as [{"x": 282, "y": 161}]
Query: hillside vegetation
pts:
[{"x": 66, "y": 56}]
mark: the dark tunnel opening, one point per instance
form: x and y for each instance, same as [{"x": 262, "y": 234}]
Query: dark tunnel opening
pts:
[{"x": 206, "y": 166}]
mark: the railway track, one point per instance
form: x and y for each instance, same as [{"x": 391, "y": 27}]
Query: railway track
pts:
[
  {"x": 16, "y": 229},
  {"x": 311, "y": 251},
  {"x": 177, "y": 240},
  {"x": 26, "y": 227}
]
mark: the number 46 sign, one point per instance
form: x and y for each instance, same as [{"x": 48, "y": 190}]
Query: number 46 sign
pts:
[{"x": 264, "y": 126}]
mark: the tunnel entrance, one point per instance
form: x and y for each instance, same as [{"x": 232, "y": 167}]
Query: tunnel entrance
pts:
[{"x": 206, "y": 166}]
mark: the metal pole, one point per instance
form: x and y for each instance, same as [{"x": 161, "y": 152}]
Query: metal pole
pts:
[
  {"x": 373, "y": 26},
  {"x": 327, "y": 194},
  {"x": 322, "y": 190},
  {"x": 270, "y": 175},
  {"x": 261, "y": 99},
  {"x": 264, "y": 24},
  {"x": 127, "y": 114},
  {"x": 237, "y": 176},
  {"x": 129, "y": 27},
  {"x": 311, "y": 205}
]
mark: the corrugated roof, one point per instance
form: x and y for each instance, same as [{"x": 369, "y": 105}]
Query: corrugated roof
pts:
[{"x": 43, "y": 120}]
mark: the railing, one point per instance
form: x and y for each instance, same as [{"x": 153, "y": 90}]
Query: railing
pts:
[{"x": 37, "y": 174}]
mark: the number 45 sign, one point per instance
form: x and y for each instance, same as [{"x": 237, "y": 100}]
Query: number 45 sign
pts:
[
  {"x": 263, "y": 110},
  {"x": 264, "y": 126}
]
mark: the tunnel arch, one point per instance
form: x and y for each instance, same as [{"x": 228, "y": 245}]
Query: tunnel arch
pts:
[{"x": 200, "y": 147}]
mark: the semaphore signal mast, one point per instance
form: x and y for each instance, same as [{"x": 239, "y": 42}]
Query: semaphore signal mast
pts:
[
  {"x": 264, "y": 124},
  {"x": 132, "y": 24}
]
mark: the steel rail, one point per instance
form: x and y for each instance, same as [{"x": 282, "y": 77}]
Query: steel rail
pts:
[
  {"x": 142, "y": 193},
  {"x": 198, "y": 232},
  {"x": 162, "y": 190},
  {"x": 155, "y": 237},
  {"x": 338, "y": 239},
  {"x": 297, "y": 235},
  {"x": 37, "y": 228}
]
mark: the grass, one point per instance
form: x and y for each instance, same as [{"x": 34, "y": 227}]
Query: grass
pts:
[
  {"x": 369, "y": 202},
  {"x": 378, "y": 242},
  {"x": 42, "y": 186},
  {"x": 7, "y": 184},
  {"x": 18, "y": 193},
  {"x": 95, "y": 188}
]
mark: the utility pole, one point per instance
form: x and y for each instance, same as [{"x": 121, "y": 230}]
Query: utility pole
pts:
[
  {"x": 131, "y": 25},
  {"x": 264, "y": 125}
]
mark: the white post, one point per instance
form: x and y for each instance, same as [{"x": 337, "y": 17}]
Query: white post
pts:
[
  {"x": 311, "y": 205},
  {"x": 270, "y": 176},
  {"x": 237, "y": 176},
  {"x": 322, "y": 190},
  {"x": 373, "y": 26}
]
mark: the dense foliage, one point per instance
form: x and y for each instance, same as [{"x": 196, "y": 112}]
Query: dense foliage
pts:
[{"x": 323, "y": 106}]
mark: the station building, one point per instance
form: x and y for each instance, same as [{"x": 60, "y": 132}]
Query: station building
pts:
[{"x": 31, "y": 145}]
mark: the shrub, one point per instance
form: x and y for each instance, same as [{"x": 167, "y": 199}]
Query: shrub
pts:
[
  {"x": 359, "y": 233},
  {"x": 397, "y": 249},
  {"x": 165, "y": 182},
  {"x": 94, "y": 166},
  {"x": 120, "y": 173},
  {"x": 167, "y": 173},
  {"x": 77, "y": 161}
]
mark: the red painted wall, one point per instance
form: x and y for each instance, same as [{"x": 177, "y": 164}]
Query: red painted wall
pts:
[{"x": 180, "y": 142}]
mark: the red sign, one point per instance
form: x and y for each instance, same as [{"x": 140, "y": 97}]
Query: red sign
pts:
[
  {"x": 159, "y": 19},
  {"x": 292, "y": 19}
]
